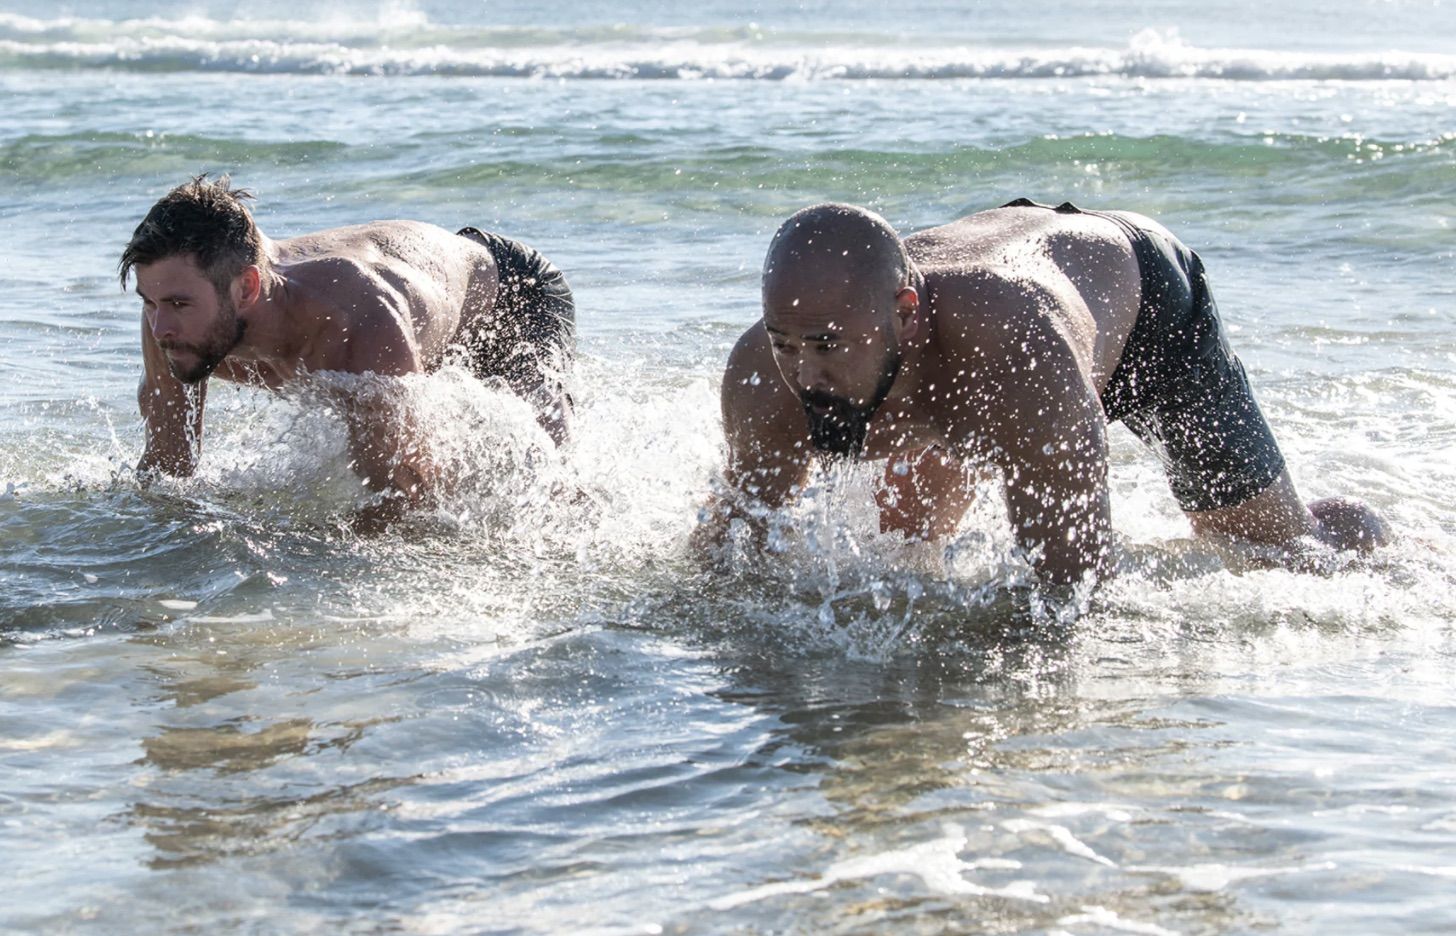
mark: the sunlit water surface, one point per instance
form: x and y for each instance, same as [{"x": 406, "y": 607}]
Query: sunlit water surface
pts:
[{"x": 530, "y": 710}]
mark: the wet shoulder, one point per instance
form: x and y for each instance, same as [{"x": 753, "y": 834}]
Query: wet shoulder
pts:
[
  {"x": 992, "y": 310},
  {"x": 975, "y": 238},
  {"x": 1018, "y": 237},
  {"x": 413, "y": 261},
  {"x": 751, "y": 371},
  {"x": 753, "y": 386},
  {"x": 372, "y": 244}
]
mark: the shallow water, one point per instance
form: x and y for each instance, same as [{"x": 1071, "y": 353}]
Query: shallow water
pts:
[{"x": 530, "y": 711}]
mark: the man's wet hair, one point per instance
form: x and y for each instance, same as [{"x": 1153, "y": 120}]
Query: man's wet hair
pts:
[{"x": 206, "y": 218}]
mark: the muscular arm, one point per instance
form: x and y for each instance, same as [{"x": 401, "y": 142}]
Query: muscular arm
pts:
[
  {"x": 386, "y": 445},
  {"x": 767, "y": 435},
  {"x": 1033, "y": 413},
  {"x": 388, "y": 453},
  {"x": 171, "y": 413}
]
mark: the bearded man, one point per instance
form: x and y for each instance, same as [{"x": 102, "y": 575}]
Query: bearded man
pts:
[
  {"x": 220, "y": 299},
  {"x": 1005, "y": 342}
]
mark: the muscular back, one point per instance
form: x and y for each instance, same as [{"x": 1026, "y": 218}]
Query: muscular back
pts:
[
  {"x": 388, "y": 291},
  {"x": 1081, "y": 263}
]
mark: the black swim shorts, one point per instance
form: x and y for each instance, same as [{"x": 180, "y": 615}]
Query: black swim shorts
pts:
[
  {"x": 534, "y": 328},
  {"x": 1179, "y": 387}
]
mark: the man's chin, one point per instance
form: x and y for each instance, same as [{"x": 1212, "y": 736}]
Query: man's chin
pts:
[
  {"x": 838, "y": 440},
  {"x": 195, "y": 372}
]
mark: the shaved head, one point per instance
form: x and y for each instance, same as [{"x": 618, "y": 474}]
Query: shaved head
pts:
[
  {"x": 832, "y": 284},
  {"x": 830, "y": 259}
]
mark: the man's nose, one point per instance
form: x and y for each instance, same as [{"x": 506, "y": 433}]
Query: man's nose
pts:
[
  {"x": 162, "y": 325},
  {"x": 811, "y": 374}
]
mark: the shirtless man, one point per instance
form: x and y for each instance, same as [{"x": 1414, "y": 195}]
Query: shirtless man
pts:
[
  {"x": 1007, "y": 340},
  {"x": 220, "y": 299}
]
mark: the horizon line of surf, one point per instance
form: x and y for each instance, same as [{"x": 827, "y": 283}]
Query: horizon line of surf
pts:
[{"x": 416, "y": 47}]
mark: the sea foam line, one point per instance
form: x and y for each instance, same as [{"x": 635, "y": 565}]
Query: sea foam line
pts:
[{"x": 416, "y": 47}]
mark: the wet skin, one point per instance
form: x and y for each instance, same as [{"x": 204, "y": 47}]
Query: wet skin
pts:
[
  {"x": 1009, "y": 329},
  {"x": 389, "y": 298}
]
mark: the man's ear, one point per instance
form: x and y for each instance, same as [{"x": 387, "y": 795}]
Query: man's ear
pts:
[
  {"x": 247, "y": 286},
  {"x": 908, "y": 320}
]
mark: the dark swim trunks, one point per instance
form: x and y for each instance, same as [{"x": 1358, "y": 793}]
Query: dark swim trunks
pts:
[
  {"x": 533, "y": 334},
  {"x": 1179, "y": 387}
]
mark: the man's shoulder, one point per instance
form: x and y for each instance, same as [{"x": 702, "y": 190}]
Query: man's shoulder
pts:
[
  {"x": 751, "y": 371},
  {"x": 998, "y": 323},
  {"x": 756, "y": 401},
  {"x": 750, "y": 347},
  {"x": 367, "y": 246},
  {"x": 988, "y": 296},
  {"x": 374, "y": 254}
]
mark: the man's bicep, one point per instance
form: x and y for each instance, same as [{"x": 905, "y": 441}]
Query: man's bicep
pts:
[
  {"x": 1055, "y": 462},
  {"x": 765, "y": 472},
  {"x": 1049, "y": 436}
]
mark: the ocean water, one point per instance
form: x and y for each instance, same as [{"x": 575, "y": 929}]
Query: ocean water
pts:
[{"x": 530, "y": 711}]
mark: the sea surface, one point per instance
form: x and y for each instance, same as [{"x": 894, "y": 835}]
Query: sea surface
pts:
[{"x": 531, "y": 711}]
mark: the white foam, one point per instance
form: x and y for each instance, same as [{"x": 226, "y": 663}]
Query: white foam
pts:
[
  {"x": 1061, "y": 835},
  {"x": 1057, "y": 810},
  {"x": 936, "y": 863},
  {"x": 410, "y": 45},
  {"x": 260, "y": 617},
  {"x": 1110, "y": 919},
  {"x": 60, "y": 738},
  {"x": 1210, "y": 878},
  {"x": 1440, "y": 871}
]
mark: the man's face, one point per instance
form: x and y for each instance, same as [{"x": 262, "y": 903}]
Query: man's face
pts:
[
  {"x": 841, "y": 372},
  {"x": 191, "y": 322}
]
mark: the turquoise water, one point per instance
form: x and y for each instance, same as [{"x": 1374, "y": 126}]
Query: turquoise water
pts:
[{"x": 525, "y": 713}]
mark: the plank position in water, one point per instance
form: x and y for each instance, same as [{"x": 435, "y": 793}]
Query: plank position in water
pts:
[
  {"x": 220, "y": 299},
  {"x": 1007, "y": 340}
]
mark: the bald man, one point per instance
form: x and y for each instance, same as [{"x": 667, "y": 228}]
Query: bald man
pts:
[{"x": 1005, "y": 342}]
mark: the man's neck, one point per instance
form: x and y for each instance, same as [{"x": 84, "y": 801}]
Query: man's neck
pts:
[
  {"x": 272, "y": 334},
  {"x": 908, "y": 388}
]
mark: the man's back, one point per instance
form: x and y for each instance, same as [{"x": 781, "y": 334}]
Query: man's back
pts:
[
  {"x": 1079, "y": 263},
  {"x": 352, "y": 290}
]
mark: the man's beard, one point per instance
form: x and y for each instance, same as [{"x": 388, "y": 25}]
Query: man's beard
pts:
[
  {"x": 226, "y": 333},
  {"x": 840, "y": 428}
]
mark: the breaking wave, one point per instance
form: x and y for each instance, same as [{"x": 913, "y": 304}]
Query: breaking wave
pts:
[{"x": 414, "y": 46}]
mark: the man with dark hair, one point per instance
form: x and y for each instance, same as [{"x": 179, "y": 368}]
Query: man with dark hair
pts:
[
  {"x": 1007, "y": 341},
  {"x": 219, "y": 298}
]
